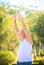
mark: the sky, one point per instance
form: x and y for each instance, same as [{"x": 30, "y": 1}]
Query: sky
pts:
[{"x": 34, "y": 4}]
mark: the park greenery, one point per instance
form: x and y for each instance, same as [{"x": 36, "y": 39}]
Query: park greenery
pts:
[
  {"x": 6, "y": 57},
  {"x": 8, "y": 41}
]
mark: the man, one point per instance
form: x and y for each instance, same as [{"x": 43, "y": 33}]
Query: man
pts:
[{"x": 25, "y": 46}]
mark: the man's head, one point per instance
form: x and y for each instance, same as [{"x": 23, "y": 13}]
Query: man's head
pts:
[{"x": 22, "y": 34}]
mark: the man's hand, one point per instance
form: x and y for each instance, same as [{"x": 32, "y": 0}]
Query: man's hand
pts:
[{"x": 19, "y": 16}]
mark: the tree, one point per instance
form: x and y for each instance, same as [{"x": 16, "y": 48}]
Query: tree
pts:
[{"x": 36, "y": 26}]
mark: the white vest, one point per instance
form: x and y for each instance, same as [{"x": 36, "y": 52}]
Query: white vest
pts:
[{"x": 25, "y": 51}]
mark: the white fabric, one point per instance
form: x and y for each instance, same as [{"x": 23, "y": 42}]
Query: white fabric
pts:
[{"x": 25, "y": 51}]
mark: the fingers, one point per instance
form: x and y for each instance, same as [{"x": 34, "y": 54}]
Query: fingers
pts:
[{"x": 18, "y": 15}]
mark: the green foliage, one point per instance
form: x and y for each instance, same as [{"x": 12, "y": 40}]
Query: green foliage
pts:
[
  {"x": 8, "y": 39},
  {"x": 42, "y": 53},
  {"x": 0, "y": 19},
  {"x": 36, "y": 24},
  {"x": 6, "y": 57},
  {"x": 39, "y": 60}
]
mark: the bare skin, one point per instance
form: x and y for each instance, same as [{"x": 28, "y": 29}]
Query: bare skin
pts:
[{"x": 24, "y": 32}]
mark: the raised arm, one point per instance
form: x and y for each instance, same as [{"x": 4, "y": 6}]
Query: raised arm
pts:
[
  {"x": 15, "y": 26},
  {"x": 28, "y": 36}
]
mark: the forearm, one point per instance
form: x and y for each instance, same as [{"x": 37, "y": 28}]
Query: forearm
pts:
[
  {"x": 22, "y": 22},
  {"x": 15, "y": 26}
]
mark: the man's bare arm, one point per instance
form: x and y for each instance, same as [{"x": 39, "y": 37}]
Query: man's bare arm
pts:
[
  {"x": 28, "y": 36},
  {"x": 15, "y": 26}
]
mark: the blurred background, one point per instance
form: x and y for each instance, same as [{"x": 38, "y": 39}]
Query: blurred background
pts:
[{"x": 33, "y": 14}]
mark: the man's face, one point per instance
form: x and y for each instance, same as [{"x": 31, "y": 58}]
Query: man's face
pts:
[{"x": 22, "y": 34}]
